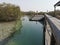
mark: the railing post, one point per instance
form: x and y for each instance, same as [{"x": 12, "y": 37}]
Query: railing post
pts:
[{"x": 54, "y": 11}]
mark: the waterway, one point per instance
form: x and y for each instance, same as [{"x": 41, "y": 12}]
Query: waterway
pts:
[{"x": 31, "y": 33}]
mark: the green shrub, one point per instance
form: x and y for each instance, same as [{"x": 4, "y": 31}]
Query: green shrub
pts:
[{"x": 9, "y": 12}]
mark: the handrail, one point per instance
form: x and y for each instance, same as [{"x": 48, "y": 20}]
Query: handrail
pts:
[{"x": 55, "y": 26}]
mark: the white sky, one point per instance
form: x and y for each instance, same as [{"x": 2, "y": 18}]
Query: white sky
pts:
[{"x": 33, "y": 5}]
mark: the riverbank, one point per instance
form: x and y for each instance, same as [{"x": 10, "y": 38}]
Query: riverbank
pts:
[{"x": 7, "y": 29}]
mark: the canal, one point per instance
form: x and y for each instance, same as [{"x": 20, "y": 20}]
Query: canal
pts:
[{"x": 31, "y": 33}]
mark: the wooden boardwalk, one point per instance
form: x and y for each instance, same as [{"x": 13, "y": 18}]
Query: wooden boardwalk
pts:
[
  {"x": 37, "y": 18},
  {"x": 52, "y": 36}
]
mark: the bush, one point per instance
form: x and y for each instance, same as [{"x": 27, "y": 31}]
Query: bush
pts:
[{"x": 9, "y": 12}]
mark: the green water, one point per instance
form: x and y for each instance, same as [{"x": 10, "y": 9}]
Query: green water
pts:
[{"x": 31, "y": 33}]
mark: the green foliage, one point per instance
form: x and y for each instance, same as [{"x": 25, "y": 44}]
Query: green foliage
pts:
[
  {"x": 28, "y": 13},
  {"x": 51, "y": 13},
  {"x": 9, "y": 12},
  {"x": 41, "y": 13},
  {"x": 54, "y": 13}
]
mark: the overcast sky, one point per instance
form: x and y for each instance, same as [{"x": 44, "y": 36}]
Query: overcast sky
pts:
[{"x": 33, "y": 5}]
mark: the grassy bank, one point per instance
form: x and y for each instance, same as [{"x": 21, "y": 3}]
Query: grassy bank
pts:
[
  {"x": 18, "y": 24},
  {"x": 8, "y": 28}
]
